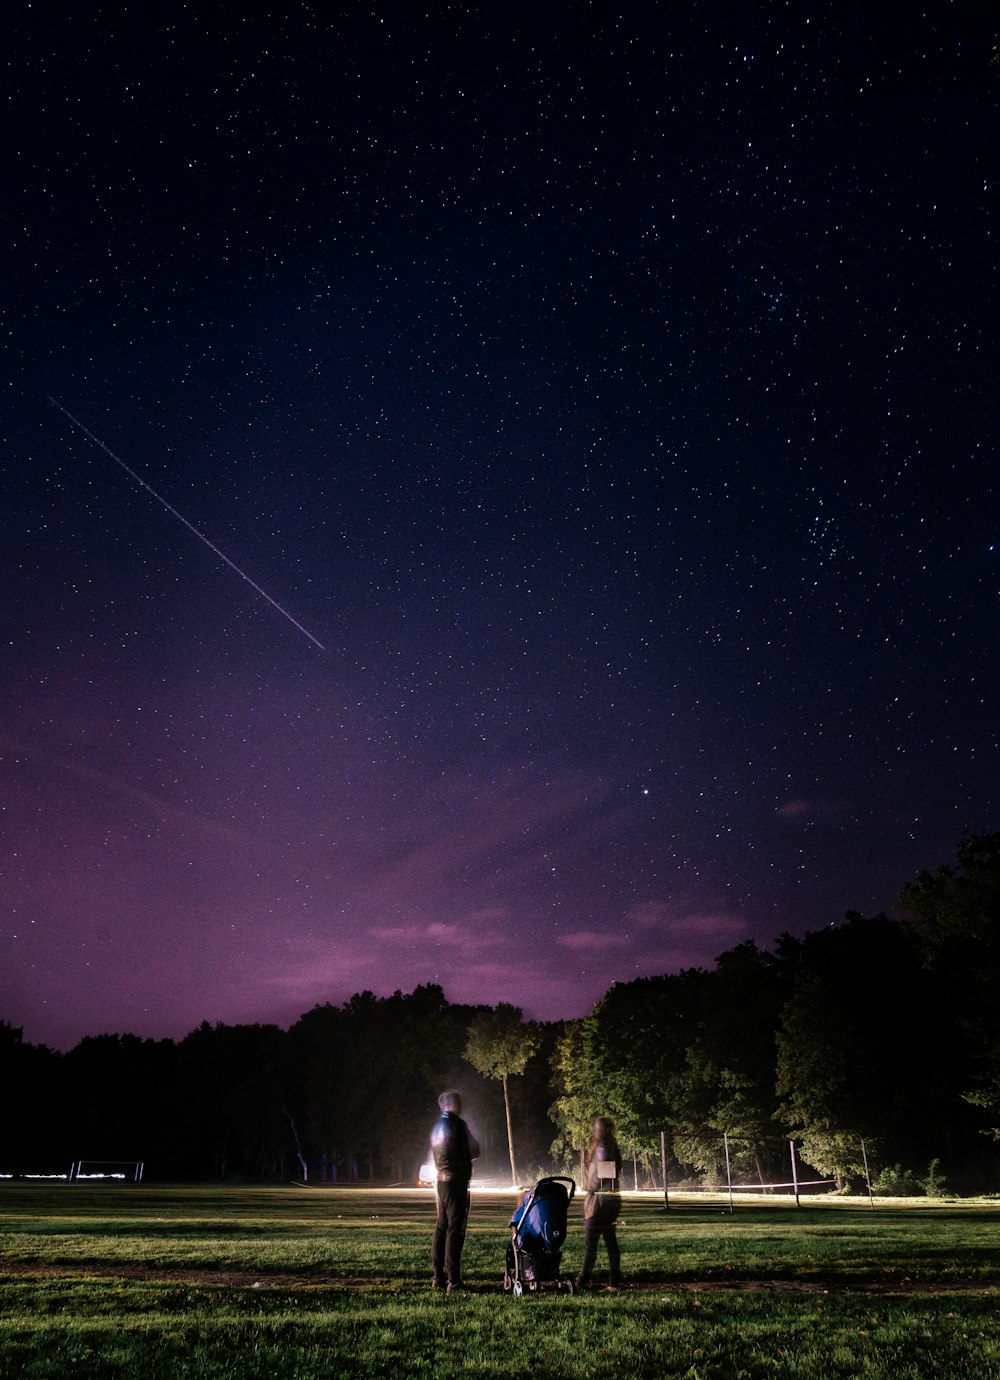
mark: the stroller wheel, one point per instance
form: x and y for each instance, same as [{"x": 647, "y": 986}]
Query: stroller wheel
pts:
[{"x": 518, "y": 1288}]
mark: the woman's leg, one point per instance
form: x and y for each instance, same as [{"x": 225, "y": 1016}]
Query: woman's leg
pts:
[
  {"x": 591, "y": 1236},
  {"x": 614, "y": 1255}
]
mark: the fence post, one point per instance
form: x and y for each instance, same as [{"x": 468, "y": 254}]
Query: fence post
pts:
[
  {"x": 729, "y": 1172},
  {"x": 663, "y": 1162}
]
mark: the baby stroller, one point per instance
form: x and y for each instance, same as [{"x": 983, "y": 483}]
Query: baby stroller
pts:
[{"x": 538, "y": 1230}]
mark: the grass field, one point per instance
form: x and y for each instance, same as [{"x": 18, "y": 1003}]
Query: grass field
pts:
[{"x": 109, "y": 1281}]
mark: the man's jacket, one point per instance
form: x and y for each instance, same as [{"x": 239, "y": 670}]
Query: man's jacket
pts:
[{"x": 453, "y": 1147}]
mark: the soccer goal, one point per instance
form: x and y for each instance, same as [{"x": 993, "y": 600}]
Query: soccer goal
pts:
[{"x": 117, "y": 1171}]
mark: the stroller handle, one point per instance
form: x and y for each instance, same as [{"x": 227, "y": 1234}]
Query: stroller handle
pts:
[{"x": 559, "y": 1179}]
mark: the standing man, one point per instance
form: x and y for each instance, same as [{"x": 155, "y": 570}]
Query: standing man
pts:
[{"x": 454, "y": 1148}]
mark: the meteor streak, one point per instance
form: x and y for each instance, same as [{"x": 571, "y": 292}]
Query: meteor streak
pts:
[{"x": 180, "y": 516}]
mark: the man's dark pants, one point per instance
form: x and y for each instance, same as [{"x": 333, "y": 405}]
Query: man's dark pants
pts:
[{"x": 449, "y": 1230}]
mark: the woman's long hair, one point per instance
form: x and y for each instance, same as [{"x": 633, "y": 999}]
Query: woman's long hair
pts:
[{"x": 603, "y": 1133}]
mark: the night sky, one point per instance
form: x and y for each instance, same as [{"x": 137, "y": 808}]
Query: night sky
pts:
[{"x": 612, "y": 392}]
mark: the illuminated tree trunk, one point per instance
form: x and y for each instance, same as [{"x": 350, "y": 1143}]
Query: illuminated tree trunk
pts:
[
  {"x": 510, "y": 1131},
  {"x": 499, "y": 1044}
]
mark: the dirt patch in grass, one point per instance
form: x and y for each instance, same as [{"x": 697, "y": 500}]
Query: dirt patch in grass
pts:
[{"x": 247, "y": 1279}]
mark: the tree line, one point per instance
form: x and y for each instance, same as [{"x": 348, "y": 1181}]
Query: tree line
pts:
[{"x": 878, "y": 1031}]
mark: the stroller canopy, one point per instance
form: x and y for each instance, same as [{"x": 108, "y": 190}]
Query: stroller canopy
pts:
[{"x": 539, "y": 1222}]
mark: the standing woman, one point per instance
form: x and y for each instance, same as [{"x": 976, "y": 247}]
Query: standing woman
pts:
[{"x": 603, "y": 1202}]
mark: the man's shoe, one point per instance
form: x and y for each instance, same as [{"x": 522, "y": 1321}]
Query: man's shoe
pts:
[{"x": 456, "y": 1288}]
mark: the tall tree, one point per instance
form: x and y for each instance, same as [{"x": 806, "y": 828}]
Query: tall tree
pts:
[
  {"x": 576, "y": 1084},
  {"x": 954, "y": 916},
  {"x": 860, "y": 1055},
  {"x": 726, "y": 1086},
  {"x": 235, "y": 1110},
  {"x": 368, "y": 1073},
  {"x": 636, "y": 1040},
  {"x": 118, "y": 1100},
  {"x": 33, "y": 1134},
  {"x": 500, "y": 1044},
  {"x": 958, "y": 906}
]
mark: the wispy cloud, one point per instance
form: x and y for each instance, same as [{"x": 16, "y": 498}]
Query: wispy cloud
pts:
[
  {"x": 437, "y": 936},
  {"x": 457, "y": 834},
  {"x": 110, "y": 785},
  {"x": 594, "y": 941}
]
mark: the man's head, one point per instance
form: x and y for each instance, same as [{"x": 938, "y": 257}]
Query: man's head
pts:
[{"x": 451, "y": 1101}]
